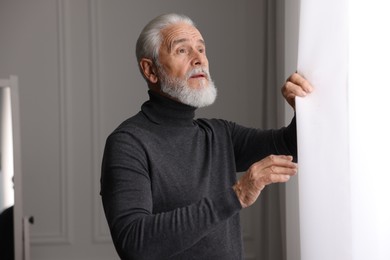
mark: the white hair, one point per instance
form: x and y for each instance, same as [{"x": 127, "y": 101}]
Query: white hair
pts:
[{"x": 150, "y": 39}]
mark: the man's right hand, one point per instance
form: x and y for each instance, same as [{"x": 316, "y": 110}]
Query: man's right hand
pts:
[{"x": 272, "y": 169}]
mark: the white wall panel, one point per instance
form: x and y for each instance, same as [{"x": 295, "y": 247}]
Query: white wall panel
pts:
[{"x": 30, "y": 50}]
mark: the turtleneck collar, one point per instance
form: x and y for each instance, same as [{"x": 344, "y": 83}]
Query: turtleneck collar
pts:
[{"x": 165, "y": 111}]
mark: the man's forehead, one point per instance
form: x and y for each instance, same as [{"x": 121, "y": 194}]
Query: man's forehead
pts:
[
  {"x": 180, "y": 33},
  {"x": 183, "y": 40}
]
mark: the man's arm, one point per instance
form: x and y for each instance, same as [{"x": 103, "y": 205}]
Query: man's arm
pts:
[{"x": 274, "y": 168}]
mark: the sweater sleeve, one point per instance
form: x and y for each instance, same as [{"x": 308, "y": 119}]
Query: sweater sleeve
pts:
[
  {"x": 138, "y": 232},
  {"x": 251, "y": 145}
]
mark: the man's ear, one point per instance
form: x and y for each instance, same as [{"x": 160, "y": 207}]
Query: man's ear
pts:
[{"x": 148, "y": 69}]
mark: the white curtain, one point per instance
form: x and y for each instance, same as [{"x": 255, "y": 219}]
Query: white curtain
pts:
[{"x": 343, "y": 130}]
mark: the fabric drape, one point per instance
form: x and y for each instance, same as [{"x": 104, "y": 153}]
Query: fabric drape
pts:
[{"x": 271, "y": 202}]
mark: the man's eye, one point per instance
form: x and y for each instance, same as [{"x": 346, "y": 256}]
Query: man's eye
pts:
[
  {"x": 202, "y": 50},
  {"x": 182, "y": 50}
]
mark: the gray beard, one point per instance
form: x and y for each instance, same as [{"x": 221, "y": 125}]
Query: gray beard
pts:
[{"x": 178, "y": 88}]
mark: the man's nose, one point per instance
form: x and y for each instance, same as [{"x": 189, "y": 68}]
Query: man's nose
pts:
[{"x": 198, "y": 58}]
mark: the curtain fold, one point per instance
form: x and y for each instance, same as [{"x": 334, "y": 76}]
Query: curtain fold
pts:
[{"x": 271, "y": 203}]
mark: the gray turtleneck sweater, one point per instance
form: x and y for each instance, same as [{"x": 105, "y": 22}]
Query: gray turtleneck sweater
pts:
[{"x": 167, "y": 180}]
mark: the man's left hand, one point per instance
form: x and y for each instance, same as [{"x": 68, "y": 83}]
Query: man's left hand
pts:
[{"x": 296, "y": 85}]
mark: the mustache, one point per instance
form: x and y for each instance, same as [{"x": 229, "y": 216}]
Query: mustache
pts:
[{"x": 196, "y": 71}]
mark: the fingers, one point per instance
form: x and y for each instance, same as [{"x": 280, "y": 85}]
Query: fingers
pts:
[
  {"x": 292, "y": 90},
  {"x": 301, "y": 82},
  {"x": 296, "y": 86},
  {"x": 277, "y": 160},
  {"x": 272, "y": 169}
]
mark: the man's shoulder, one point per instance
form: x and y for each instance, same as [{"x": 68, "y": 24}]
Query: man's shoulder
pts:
[
  {"x": 136, "y": 121},
  {"x": 133, "y": 125}
]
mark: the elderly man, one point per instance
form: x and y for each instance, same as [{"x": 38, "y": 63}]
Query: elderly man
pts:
[{"x": 168, "y": 184}]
